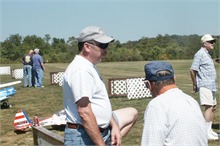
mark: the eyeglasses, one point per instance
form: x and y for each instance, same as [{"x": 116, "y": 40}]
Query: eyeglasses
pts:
[
  {"x": 100, "y": 45},
  {"x": 147, "y": 84},
  {"x": 211, "y": 42}
]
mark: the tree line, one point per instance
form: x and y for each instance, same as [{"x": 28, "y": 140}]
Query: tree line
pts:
[{"x": 59, "y": 50}]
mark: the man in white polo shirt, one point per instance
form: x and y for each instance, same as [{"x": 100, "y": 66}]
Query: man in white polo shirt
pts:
[{"x": 89, "y": 115}]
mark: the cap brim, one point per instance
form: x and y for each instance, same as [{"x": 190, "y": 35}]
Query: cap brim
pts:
[
  {"x": 211, "y": 39},
  {"x": 104, "y": 39}
]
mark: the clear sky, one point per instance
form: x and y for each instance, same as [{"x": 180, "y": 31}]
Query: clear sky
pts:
[{"x": 123, "y": 19}]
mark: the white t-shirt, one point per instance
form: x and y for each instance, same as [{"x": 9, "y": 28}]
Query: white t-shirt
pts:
[
  {"x": 174, "y": 119},
  {"x": 81, "y": 79}
]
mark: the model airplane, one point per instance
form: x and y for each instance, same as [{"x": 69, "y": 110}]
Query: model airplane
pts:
[
  {"x": 7, "y": 93},
  {"x": 22, "y": 121}
]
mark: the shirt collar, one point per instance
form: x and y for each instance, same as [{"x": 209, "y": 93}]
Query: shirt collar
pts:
[{"x": 204, "y": 49}]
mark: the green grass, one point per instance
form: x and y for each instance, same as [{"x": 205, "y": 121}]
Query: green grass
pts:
[{"x": 44, "y": 102}]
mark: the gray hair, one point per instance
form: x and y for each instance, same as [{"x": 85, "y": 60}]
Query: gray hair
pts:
[{"x": 36, "y": 50}]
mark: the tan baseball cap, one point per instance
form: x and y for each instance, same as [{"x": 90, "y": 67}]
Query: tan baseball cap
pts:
[
  {"x": 94, "y": 33},
  {"x": 207, "y": 37}
]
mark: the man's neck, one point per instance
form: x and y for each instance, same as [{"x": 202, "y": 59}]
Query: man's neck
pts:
[{"x": 166, "y": 88}]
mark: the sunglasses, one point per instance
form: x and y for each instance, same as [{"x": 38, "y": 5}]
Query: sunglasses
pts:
[
  {"x": 100, "y": 45},
  {"x": 211, "y": 42}
]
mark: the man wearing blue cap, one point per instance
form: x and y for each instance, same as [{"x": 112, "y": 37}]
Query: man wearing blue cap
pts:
[{"x": 172, "y": 117}]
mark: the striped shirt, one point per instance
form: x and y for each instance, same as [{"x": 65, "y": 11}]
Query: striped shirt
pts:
[{"x": 206, "y": 73}]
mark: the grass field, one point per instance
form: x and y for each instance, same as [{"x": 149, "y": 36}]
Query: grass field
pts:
[{"x": 44, "y": 102}]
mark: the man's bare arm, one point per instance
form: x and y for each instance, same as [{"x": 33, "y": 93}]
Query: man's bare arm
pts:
[
  {"x": 89, "y": 121},
  {"x": 193, "y": 74}
]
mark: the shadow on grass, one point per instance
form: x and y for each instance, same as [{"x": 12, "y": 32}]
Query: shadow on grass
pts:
[
  {"x": 20, "y": 132},
  {"x": 58, "y": 127},
  {"x": 216, "y": 126},
  {"x": 6, "y": 106}
]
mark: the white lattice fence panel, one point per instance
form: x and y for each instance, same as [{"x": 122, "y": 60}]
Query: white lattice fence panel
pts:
[
  {"x": 118, "y": 87},
  {"x": 17, "y": 73},
  {"x": 5, "y": 70},
  {"x": 131, "y": 87},
  {"x": 57, "y": 78},
  {"x": 137, "y": 89}
]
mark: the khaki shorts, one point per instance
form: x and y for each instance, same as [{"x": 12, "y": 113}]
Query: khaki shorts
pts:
[{"x": 207, "y": 97}]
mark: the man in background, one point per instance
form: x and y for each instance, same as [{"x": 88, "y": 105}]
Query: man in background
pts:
[
  {"x": 27, "y": 69},
  {"x": 204, "y": 79},
  {"x": 38, "y": 68},
  {"x": 171, "y": 117}
]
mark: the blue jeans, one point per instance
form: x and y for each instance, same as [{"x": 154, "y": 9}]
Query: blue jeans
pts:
[
  {"x": 27, "y": 75},
  {"x": 38, "y": 77},
  {"x": 79, "y": 136}
]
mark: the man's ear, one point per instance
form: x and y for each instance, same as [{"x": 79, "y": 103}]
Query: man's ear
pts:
[
  {"x": 149, "y": 85},
  {"x": 87, "y": 47},
  {"x": 174, "y": 78}
]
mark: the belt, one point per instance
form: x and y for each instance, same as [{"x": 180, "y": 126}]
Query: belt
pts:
[{"x": 75, "y": 126}]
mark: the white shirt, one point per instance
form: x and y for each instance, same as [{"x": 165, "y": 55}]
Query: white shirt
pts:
[
  {"x": 81, "y": 79},
  {"x": 174, "y": 119}
]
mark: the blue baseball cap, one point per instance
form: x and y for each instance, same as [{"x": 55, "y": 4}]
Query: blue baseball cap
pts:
[{"x": 151, "y": 69}]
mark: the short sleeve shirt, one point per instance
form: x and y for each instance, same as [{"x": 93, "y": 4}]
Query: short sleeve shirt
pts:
[
  {"x": 81, "y": 79},
  {"x": 27, "y": 59},
  {"x": 37, "y": 60},
  {"x": 206, "y": 73}
]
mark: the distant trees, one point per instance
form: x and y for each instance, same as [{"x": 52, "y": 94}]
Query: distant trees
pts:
[
  {"x": 10, "y": 49},
  {"x": 55, "y": 50}
]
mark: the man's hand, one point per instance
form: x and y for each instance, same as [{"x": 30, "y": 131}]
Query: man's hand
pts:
[
  {"x": 115, "y": 133},
  {"x": 115, "y": 137},
  {"x": 194, "y": 88}
]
